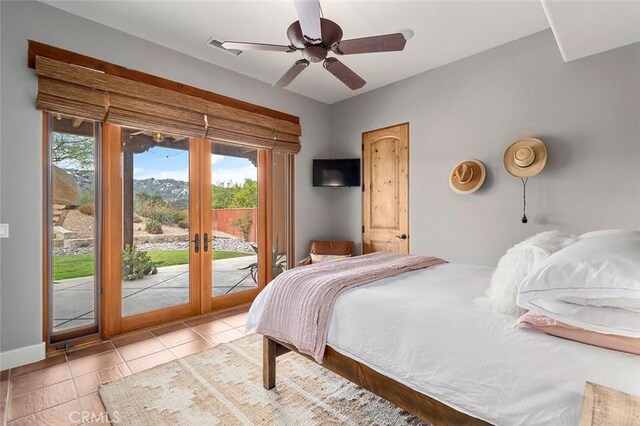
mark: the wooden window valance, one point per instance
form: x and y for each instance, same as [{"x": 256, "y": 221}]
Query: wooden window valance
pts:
[{"x": 97, "y": 95}]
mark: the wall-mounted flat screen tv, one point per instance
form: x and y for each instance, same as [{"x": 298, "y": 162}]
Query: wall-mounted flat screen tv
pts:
[{"x": 343, "y": 172}]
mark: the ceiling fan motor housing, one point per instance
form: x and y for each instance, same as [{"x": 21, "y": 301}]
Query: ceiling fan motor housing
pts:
[
  {"x": 314, "y": 54},
  {"x": 331, "y": 33}
]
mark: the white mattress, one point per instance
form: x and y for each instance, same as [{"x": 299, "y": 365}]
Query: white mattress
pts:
[{"x": 423, "y": 329}]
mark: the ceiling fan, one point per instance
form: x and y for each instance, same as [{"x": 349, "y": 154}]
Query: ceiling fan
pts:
[{"x": 315, "y": 37}]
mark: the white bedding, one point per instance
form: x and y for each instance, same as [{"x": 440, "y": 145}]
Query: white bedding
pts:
[{"x": 423, "y": 329}]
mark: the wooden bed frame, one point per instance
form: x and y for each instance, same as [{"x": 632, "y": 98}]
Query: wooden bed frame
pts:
[{"x": 418, "y": 404}]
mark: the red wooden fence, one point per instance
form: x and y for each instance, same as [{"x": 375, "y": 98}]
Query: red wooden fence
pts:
[{"x": 223, "y": 219}]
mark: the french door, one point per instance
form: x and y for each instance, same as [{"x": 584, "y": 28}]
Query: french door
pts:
[
  {"x": 147, "y": 227},
  {"x": 186, "y": 226}
]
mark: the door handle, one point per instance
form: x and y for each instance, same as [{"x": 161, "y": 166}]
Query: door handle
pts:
[
  {"x": 196, "y": 242},
  {"x": 206, "y": 242},
  {"x": 402, "y": 237}
]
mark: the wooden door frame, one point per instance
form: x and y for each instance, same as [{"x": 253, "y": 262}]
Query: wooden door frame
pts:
[
  {"x": 406, "y": 123},
  {"x": 111, "y": 239},
  {"x": 114, "y": 322}
]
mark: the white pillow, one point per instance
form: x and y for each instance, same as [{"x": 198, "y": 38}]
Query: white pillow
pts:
[
  {"x": 593, "y": 284},
  {"x": 516, "y": 264}
]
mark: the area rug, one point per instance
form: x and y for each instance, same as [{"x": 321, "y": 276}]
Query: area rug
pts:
[{"x": 223, "y": 385}]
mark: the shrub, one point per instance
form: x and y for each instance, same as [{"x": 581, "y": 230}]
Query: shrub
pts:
[
  {"x": 87, "y": 196},
  {"x": 184, "y": 224},
  {"x": 136, "y": 264},
  {"x": 154, "y": 207},
  {"x": 87, "y": 209},
  {"x": 154, "y": 226},
  {"x": 244, "y": 225}
]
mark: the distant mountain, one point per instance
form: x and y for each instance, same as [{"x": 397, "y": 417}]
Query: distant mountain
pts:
[{"x": 170, "y": 190}]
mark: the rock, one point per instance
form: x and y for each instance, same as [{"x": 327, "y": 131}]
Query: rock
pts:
[{"x": 65, "y": 187}]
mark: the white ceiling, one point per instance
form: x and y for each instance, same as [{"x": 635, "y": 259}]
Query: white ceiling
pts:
[
  {"x": 445, "y": 31},
  {"x": 584, "y": 28}
]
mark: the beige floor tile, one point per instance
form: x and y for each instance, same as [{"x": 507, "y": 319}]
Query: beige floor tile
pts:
[
  {"x": 113, "y": 373},
  {"x": 175, "y": 334},
  {"x": 90, "y": 350},
  {"x": 191, "y": 347},
  {"x": 200, "y": 320},
  {"x": 4, "y": 387},
  {"x": 214, "y": 326},
  {"x": 234, "y": 319},
  {"x": 149, "y": 361},
  {"x": 45, "y": 363},
  {"x": 92, "y": 405},
  {"x": 138, "y": 345},
  {"x": 69, "y": 413},
  {"x": 41, "y": 399},
  {"x": 87, "y": 383},
  {"x": 225, "y": 336},
  {"x": 96, "y": 362},
  {"x": 39, "y": 379}
]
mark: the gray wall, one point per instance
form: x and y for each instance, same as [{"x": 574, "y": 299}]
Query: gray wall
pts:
[
  {"x": 587, "y": 112},
  {"x": 21, "y": 142}
]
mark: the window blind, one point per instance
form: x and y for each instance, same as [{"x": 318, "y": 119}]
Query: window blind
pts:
[{"x": 87, "y": 93}]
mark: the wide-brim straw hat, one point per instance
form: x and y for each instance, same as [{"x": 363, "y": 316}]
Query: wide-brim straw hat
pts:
[
  {"x": 525, "y": 158},
  {"x": 467, "y": 176}
]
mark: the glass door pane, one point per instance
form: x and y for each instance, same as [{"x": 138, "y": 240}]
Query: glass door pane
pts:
[
  {"x": 234, "y": 218},
  {"x": 73, "y": 231},
  {"x": 155, "y": 221}
]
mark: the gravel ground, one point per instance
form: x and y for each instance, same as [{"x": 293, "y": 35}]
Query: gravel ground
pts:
[{"x": 219, "y": 244}]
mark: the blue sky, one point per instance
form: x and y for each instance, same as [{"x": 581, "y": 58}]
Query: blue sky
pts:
[{"x": 164, "y": 163}]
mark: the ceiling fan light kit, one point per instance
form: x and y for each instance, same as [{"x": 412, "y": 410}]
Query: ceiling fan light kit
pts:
[{"x": 315, "y": 37}]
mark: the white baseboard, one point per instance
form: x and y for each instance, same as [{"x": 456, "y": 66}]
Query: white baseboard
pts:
[{"x": 21, "y": 356}]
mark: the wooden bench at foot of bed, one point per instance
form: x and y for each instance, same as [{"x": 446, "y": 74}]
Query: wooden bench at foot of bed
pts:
[{"x": 418, "y": 404}]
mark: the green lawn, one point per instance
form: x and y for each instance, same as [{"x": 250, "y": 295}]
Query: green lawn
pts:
[{"x": 81, "y": 265}]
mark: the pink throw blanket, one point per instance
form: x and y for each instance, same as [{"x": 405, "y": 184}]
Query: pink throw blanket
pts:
[{"x": 299, "y": 307}]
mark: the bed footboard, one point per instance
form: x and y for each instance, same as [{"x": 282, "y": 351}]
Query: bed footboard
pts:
[{"x": 418, "y": 404}]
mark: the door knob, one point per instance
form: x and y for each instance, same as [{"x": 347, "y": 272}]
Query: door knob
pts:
[
  {"x": 402, "y": 237},
  {"x": 196, "y": 243}
]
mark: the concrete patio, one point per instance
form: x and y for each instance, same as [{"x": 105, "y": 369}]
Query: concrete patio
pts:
[{"x": 74, "y": 298}]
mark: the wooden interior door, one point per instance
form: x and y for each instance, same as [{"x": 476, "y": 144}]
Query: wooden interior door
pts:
[{"x": 385, "y": 191}]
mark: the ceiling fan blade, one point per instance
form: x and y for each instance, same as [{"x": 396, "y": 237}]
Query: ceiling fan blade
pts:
[
  {"x": 382, "y": 43},
  {"x": 344, "y": 73},
  {"x": 291, "y": 73},
  {"x": 257, "y": 46},
  {"x": 309, "y": 16}
]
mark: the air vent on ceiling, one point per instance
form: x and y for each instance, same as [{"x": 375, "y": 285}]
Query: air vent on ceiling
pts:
[{"x": 212, "y": 42}]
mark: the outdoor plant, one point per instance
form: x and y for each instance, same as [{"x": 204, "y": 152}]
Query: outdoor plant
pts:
[
  {"x": 154, "y": 207},
  {"x": 183, "y": 224},
  {"x": 244, "y": 225},
  {"x": 136, "y": 264},
  {"x": 154, "y": 226}
]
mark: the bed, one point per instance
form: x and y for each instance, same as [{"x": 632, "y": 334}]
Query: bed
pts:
[{"x": 419, "y": 340}]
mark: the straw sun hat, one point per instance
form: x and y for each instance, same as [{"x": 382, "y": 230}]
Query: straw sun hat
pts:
[
  {"x": 525, "y": 158},
  {"x": 467, "y": 176}
]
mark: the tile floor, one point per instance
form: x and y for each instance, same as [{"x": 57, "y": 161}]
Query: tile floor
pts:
[{"x": 62, "y": 389}]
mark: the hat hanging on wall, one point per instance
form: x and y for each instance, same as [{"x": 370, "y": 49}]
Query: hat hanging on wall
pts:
[
  {"x": 524, "y": 159},
  {"x": 467, "y": 176}
]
